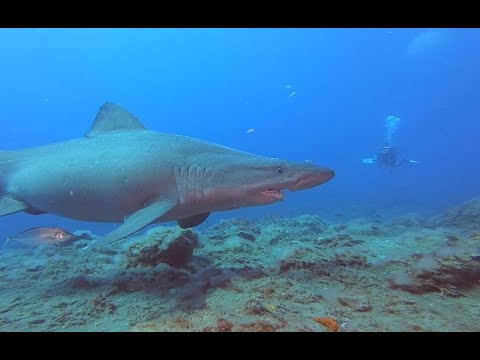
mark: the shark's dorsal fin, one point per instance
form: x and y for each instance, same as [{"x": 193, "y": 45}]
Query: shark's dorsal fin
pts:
[{"x": 112, "y": 117}]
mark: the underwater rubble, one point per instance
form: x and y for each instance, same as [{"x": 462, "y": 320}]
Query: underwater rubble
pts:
[
  {"x": 466, "y": 215},
  {"x": 278, "y": 274}
]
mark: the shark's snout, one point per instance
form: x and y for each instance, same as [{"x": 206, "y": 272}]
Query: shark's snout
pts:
[{"x": 313, "y": 178}]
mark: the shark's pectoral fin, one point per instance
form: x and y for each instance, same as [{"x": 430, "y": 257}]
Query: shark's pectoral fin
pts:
[
  {"x": 138, "y": 220},
  {"x": 35, "y": 211},
  {"x": 192, "y": 221},
  {"x": 9, "y": 205}
]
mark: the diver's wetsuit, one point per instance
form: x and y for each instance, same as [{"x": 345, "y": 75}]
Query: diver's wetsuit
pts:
[{"x": 388, "y": 156}]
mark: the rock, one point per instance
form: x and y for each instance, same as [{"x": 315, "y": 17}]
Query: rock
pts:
[
  {"x": 81, "y": 282},
  {"x": 466, "y": 215},
  {"x": 171, "y": 246},
  {"x": 312, "y": 223},
  {"x": 363, "y": 307},
  {"x": 350, "y": 260},
  {"x": 222, "y": 281},
  {"x": 407, "y": 220},
  {"x": 246, "y": 236},
  {"x": 448, "y": 277},
  {"x": 255, "y": 307},
  {"x": 257, "y": 326}
]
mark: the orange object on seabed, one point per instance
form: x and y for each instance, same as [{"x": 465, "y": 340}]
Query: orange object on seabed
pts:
[{"x": 329, "y": 323}]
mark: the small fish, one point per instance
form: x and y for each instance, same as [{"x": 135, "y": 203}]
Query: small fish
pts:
[
  {"x": 292, "y": 94},
  {"x": 250, "y": 131},
  {"x": 43, "y": 236},
  {"x": 369, "y": 160},
  {"x": 288, "y": 86}
]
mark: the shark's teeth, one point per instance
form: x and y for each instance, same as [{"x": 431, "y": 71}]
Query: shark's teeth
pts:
[{"x": 277, "y": 194}]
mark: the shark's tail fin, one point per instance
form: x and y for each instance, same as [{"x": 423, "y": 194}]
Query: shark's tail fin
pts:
[
  {"x": 3, "y": 164},
  {"x": 8, "y": 205},
  {"x": 5, "y": 161}
]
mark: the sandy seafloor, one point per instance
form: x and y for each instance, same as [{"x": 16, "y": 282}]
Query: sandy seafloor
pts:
[{"x": 279, "y": 274}]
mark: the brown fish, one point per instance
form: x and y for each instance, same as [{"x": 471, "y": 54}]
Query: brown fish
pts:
[{"x": 43, "y": 236}]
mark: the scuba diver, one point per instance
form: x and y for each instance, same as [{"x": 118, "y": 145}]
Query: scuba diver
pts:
[{"x": 388, "y": 156}]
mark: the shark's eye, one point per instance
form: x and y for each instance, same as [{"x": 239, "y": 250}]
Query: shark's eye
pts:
[{"x": 280, "y": 170}]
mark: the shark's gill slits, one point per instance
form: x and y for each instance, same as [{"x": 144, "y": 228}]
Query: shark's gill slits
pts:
[
  {"x": 192, "y": 183},
  {"x": 199, "y": 183},
  {"x": 186, "y": 182},
  {"x": 204, "y": 175},
  {"x": 177, "y": 171},
  {"x": 181, "y": 179}
]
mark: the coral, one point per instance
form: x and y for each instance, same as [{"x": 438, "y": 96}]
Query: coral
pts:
[
  {"x": 364, "y": 307},
  {"x": 407, "y": 220},
  {"x": 257, "y": 326},
  {"x": 81, "y": 282},
  {"x": 466, "y": 215},
  {"x": 350, "y": 303},
  {"x": 100, "y": 304},
  {"x": 255, "y": 307},
  {"x": 171, "y": 246},
  {"x": 146, "y": 280},
  {"x": 371, "y": 231},
  {"x": 237, "y": 281},
  {"x": 240, "y": 223},
  {"x": 318, "y": 269},
  {"x": 147, "y": 327},
  {"x": 246, "y": 236},
  {"x": 179, "y": 323},
  {"x": 312, "y": 223},
  {"x": 224, "y": 325},
  {"x": 448, "y": 276},
  {"x": 328, "y": 322},
  {"x": 350, "y": 260},
  {"x": 339, "y": 240},
  {"x": 226, "y": 228}
]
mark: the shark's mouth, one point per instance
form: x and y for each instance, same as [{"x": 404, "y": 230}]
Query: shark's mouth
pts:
[{"x": 277, "y": 194}]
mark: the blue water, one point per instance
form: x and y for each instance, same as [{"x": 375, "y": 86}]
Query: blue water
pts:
[{"x": 215, "y": 84}]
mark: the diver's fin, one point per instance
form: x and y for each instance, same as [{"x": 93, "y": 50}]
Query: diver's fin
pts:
[
  {"x": 192, "y": 221},
  {"x": 137, "y": 221},
  {"x": 9, "y": 205},
  {"x": 112, "y": 117}
]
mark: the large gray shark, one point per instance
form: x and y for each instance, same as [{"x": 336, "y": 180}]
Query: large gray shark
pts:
[{"x": 122, "y": 172}]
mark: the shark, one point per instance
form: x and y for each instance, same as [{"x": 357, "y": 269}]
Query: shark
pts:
[{"x": 122, "y": 172}]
